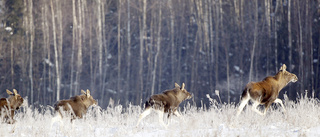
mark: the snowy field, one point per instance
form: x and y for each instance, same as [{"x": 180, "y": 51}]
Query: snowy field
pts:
[{"x": 301, "y": 119}]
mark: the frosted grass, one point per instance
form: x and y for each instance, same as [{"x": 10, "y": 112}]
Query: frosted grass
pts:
[{"x": 302, "y": 118}]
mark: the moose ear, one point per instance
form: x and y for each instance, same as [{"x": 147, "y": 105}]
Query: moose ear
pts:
[
  {"x": 182, "y": 88},
  {"x": 88, "y": 93},
  {"x": 283, "y": 67},
  {"x": 83, "y": 92},
  {"x": 9, "y": 92},
  {"x": 176, "y": 85},
  {"x": 15, "y": 92}
]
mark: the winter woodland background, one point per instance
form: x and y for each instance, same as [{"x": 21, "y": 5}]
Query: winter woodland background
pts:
[{"x": 129, "y": 49}]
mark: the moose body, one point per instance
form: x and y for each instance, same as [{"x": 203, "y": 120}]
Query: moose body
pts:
[
  {"x": 77, "y": 105},
  {"x": 266, "y": 92},
  {"x": 166, "y": 102},
  {"x": 9, "y": 105}
]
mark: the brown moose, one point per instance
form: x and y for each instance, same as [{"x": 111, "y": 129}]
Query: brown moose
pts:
[
  {"x": 266, "y": 91},
  {"x": 166, "y": 102},
  {"x": 9, "y": 105},
  {"x": 77, "y": 105}
]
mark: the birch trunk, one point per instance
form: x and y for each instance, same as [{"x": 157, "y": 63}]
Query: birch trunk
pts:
[
  {"x": 217, "y": 42},
  {"x": 119, "y": 47},
  {"x": 129, "y": 45},
  {"x": 142, "y": 35},
  {"x": 289, "y": 35},
  {"x": 74, "y": 41},
  {"x": 55, "y": 52},
  {"x": 12, "y": 61},
  {"x": 31, "y": 48},
  {"x": 172, "y": 41},
  {"x": 157, "y": 53},
  {"x": 59, "y": 20},
  {"x": 301, "y": 64},
  {"x": 254, "y": 40},
  {"x": 99, "y": 39},
  {"x": 79, "y": 55},
  {"x": 309, "y": 26}
]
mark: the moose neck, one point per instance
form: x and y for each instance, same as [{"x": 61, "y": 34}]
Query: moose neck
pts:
[
  {"x": 181, "y": 96},
  {"x": 281, "y": 80}
]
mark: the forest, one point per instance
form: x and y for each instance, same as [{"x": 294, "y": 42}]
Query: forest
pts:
[{"x": 127, "y": 50}]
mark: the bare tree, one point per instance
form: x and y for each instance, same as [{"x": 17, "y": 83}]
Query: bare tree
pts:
[
  {"x": 173, "y": 58},
  {"x": 74, "y": 36},
  {"x": 79, "y": 55},
  {"x": 58, "y": 79},
  {"x": 158, "y": 50},
  {"x": 119, "y": 46},
  {"x": 289, "y": 35},
  {"x": 129, "y": 44},
  {"x": 30, "y": 5},
  {"x": 255, "y": 35},
  {"x": 142, "y": 35}
]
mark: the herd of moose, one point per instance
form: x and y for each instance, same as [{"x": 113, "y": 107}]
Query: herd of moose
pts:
[{"x": 264, "y": 92}]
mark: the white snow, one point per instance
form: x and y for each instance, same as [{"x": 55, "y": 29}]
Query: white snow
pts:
[{"x": 302, "y": 118}]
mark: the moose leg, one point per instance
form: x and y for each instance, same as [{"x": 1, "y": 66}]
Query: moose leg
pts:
[
  {"x": 160, "y": 112},
  {"x": 145, "y": 113},
  {"x": 243, "y": 103},
  {"x": 266, "y": 107},
  {"x": 177, "y": 113},
  {"x": 11, "y": 117},
  {"x": 254, "y": 107},
  {"x": 280, "y": 102}
]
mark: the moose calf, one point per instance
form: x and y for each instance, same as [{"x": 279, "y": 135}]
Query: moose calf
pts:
[
  {"x": 9, "y": 105},
  {"x": 166, "y": 102},
  {"x": 77, "y": 105},
  {"x": 266, "y": 91}
]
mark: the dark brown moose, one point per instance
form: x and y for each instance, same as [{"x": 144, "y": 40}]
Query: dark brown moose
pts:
[
  {"x": 9, "y": 105},
  {"x": 266, "y": 92},
  {"x": 166, "y": 102},
  {"x": 77, "y": 105}
]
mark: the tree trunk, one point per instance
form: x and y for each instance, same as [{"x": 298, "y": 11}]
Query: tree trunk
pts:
[
  {"x": 12, "y": 61},
  {"x": 79, "y": 55},
  {"x": 55, "y": 52},
  {"x": 74, "y": 41},
  {"x": 290, "y": 35},
  {"x": 59, "y": 16},
  {"x": 142, "y": 35},
  {"x": 254, "y": 40},
  {"x": 119, "y": 47},
  {"x": 301, "y": 64},
  {"x": 158, "y": 50},
  {"x": 99, "y": 39},
  {"x": 129, "y": 45},
  {"x": 173, "y": 57},
  {"x": 309, "y": 26},
  {"x": 31, "y": 48}
]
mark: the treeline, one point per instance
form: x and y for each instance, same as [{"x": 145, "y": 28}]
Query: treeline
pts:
[{"x": 129, "y": 49}]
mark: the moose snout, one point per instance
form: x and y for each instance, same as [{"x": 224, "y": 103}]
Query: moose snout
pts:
[
  {"x": 295, "y": 79},
  {"x": 190, "y": 96}
]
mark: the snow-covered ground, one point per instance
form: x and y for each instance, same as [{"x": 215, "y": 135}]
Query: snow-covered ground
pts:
[{"x": 301, "y": 119}]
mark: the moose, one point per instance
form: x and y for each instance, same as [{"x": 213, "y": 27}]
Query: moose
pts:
[
  {"x": 9, "y": 105},
  {"x": 266, "y": 92},
  {"x": 77, "y": 106},
  {"x": 166, "y": 102}
]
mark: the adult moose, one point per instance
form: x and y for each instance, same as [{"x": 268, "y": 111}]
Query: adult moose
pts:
[
  {"x": 166, "y": 102},
  {"x": 266, "y": 91},
  {"x": 77, "y": 105},
  {"x": 9, "y": 105}
]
